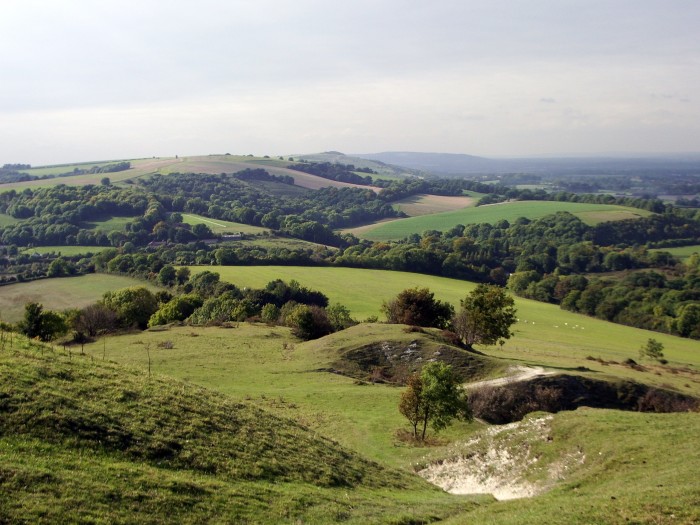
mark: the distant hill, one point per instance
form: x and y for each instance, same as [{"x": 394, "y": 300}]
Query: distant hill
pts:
[
  {"x": 462, "y": 164},
  {"x": 383, "y": 168}
]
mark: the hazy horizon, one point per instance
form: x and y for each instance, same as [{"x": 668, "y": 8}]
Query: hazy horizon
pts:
[{"x": 111, "y": 80}]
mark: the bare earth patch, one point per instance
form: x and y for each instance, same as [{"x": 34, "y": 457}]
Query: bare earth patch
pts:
[{"x": 500, "y": 461}]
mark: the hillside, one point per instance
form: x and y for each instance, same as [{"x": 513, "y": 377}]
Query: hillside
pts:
[{"x": 91, "y": 441}]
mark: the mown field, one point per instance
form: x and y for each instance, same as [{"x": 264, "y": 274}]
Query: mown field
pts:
[
  {"x": 67, "y": 250},
  {"x": 682, "y": 252},
  {"x": 221, "y": 226},
  {"x": 59, "y": 293},
  {"x": 510, "y": 211},
  {"x": 544, "y": 336},
  {"x": 417, "y": 205}
]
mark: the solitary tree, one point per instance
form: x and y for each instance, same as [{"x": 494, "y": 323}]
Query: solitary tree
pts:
[
  {"x": 486, "y": 316},
  {"x": 418, "y": 306},
  {"x": 433, "y": 397},
  {"x": 41, "y": 323},
  {"x": 653, "y": 349}
]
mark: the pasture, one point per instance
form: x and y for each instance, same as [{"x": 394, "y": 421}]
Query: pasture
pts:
[
  {"x": 59, "y": 293},
  {"x": 67, "y": 250},
  {"x": 545, "y": 335},
  {"x": 7, "y": 220},
  {"x": 111, "y": 224},
  {"x": 493, "y": 213},
  {"x": 417, "y": 205},
  {"x": 682, "y": 252},
  {"x": 221, "y": 226}
]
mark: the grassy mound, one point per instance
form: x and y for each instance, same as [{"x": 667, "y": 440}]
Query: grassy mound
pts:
[
  {"x": 389, "y": 353},
  {"x": 88, "y": 441}
]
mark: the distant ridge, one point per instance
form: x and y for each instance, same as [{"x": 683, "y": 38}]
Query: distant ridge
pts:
[{"x": 452, "y": 164}]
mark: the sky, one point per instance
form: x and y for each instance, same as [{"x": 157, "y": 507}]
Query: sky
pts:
[{"x": 84, "y": 80}]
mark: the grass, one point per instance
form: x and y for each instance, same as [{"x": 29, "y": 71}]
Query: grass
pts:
[
  {"x": 637, "y": 468},
  {"x": 682, "y": 252},
  {"x": 544, "y": 336},
  {"x": 67, "y": 250},
  {"x": 59, "y": 293},
  {"x": 111, "y": 224},
  {"x": 510, "y": 211},
  {"x": 417, "y": 205},
  {"x": 220, "y": 226},
  {"x": 89, "y": 441},
  {"x": 7, "y": 220}
]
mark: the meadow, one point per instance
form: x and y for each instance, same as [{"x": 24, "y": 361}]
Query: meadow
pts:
[
  {"x": 221, "y": 226},
  {"x": 682, "y": 252},
  {"x": 589, "y": 213},
  {"x": 59, "y": 293},
  {"x": 67, "y": 250},
  {"x": 7, "y": 220},
  {"x": 544, "y": 335}
]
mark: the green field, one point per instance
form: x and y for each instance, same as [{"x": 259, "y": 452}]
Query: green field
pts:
[
  {"x": 545, "y": 335},
  {"x": 59, "y": 293},
  {"x": 220, "y": 226},
  {"x": 510, "y": 211},
  {"x": 682, "y": 252},
  {"x": 67, "y": 250},
  {"x": 7, "y": 220},
  {"x": 111, "y": 224}
]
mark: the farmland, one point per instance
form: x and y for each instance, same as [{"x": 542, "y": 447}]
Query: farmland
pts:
[
  {"x": 221, "y": 226},
  {"x": 545, "y": 335},
  {"x": 510, "y": 211},
  {"x": 59, "y": 293}
]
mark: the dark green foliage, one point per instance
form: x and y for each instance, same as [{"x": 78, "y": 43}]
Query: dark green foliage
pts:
[
  {"x": 486, "y": 316},
  {"x": 179, "y": 308},
  {"x": 308, "y": 322},
  {"x": 42, "y": 324},
  {"x": 134, "y": 306},
  {"x": 418, "y": 307}
]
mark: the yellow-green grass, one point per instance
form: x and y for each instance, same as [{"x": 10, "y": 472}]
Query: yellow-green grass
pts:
[
  {"x": 634, "y": 468},
  {"x": 87, "y": 441},
  {"x": 111, "y": 224},
  {"x": 7, "y": 220},
  {"x": 510, "y": 211},
  {"x": 220, "y": 226},
  {"x": 682, "y": 252},
  {"x": 288, "y": 243},
  {"x": 58, "y": 169},
  {"x": 215, "y": 164},
  {"x": 272, "y": 368},
  {"x": 67, "y": 250},
  {"x": 545, "y": 335},
  {"x": 60, "y": 293}
]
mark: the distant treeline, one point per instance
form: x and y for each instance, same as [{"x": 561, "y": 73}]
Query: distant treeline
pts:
[{"x": 9, "y": 172}]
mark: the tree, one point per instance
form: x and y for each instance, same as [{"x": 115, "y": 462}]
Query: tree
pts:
[
  {"x": 339, "y": 317},
  {"x": 433, "y": 397},
  {"x": 40, "y": 323},
  {"x": 134, "y": 306},
  {"x": 167, "y": 275},
  {"x": 653, "y": 349},
  {"x": 308, "y": 322},
  {"x": 486, "y": 316},
  {"x": 418, "y": 307},
  {"x": 94, "y": 319}
]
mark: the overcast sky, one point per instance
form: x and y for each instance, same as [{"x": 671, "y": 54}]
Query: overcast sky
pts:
[{"x": 92, "y": 80}]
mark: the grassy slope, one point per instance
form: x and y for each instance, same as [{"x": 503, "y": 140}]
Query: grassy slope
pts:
[
  {"x": 545, "y": 334},
  {"x": 67, "y": 250},
  {"x": 220, "y": 226},
  {"x": 682, "y": 252},
  {"x": 59, "y": 293},
  {"x": 93, "y": 442},
  {"x": 250, "y": 362},
  {"x": 590, "y": 213},
  {"x": 637, "y": 468}
]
